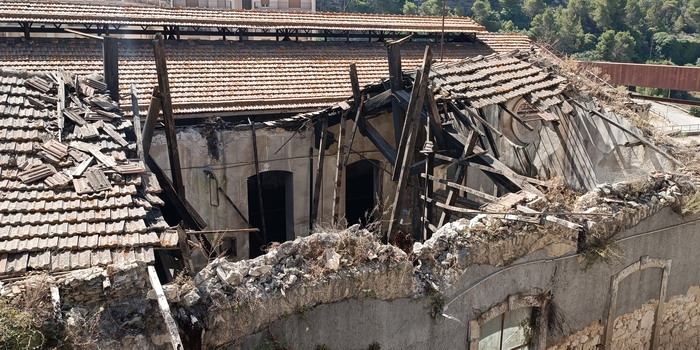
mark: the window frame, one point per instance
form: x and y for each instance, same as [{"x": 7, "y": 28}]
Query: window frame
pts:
[{"x": 514, "y": 302}]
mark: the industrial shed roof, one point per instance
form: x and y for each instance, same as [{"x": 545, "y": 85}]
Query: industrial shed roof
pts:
[
  {"x": 230, "y": 76},
  {"x": 105, "y": 13},
  {"x": 72, "y": 195}
]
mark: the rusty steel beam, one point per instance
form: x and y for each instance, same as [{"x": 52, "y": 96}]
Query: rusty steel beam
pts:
[{"x": 649, "y": 75}]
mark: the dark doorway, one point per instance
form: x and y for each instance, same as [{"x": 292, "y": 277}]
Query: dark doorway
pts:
[
  {"x": 247, "y": 4},
  {"x": 278, "y": 205},
  {"x": 362, "y": 191}
]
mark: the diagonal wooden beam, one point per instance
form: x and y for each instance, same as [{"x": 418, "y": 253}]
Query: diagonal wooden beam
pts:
[
  {"x": 458, "y": 178},
  {"x": 168, "y": 119},
  {"x": 411, "y": 128},
  {"x": 396, "y": 83},
  {"x": 515, "y": 116},
  {"x": 319, "y": 173},
  {"x": 377, "y": 140},
  {"x": 258, "y": 181},
  {"x": 644, "y": 141},
  {"x": 358, "y": 105},
  {"x": 415, "y": 107}
]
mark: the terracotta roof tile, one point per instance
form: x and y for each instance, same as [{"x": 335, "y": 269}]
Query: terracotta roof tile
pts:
[
  {"x": 231, "y": 76},
  {"x": 47, "y": 224}
]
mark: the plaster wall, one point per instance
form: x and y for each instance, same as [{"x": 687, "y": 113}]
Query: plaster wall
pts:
[
  {"x": 236, "y": 164},
  {"x": 579, "y": 295}
]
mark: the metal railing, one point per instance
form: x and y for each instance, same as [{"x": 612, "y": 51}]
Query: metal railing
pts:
[{"x": 690, "y": 129}]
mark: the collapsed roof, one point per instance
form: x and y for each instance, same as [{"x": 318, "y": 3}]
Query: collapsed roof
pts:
[{"x": 74, "y": 192}]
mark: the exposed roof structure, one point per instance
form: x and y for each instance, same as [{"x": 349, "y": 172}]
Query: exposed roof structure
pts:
[
  {"x": 71, "y": 196},
  {"x": 497, "y": 79},
  {"x": 260, "y": 75},
  {"x": 104, "y": 13}
]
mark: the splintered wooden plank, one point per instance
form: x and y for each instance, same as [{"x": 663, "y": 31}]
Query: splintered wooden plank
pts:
[
  {"x": 112, "y": 132},
  {"x": 505, "y": 203},
  {"x": 80, "y": 169},
  {"x": 548, "y": 116},
  {"x": 95, "y": 151}
]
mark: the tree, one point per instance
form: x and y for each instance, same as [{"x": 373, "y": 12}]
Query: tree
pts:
[
  {"x": 608, "y": 14},
  {"x": 483, "y": 13},
  {"x": 511, "y": 10},
  {"x": 533, "y": 8},
  {"x": 634, "y": 16},
  {"x": 544, "y": 26},
  {"x": 606, "y": 45},
  {"x": 571, "y": 33},
  {"x": 692, "y": 13},
  {"x": 430, "y": 8},
  {"x": 624, "y": 48},
  {"x": 583, "y": 10},
  {"x": 410, "y": 8}
]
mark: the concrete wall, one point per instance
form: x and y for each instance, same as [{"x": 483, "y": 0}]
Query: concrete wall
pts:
[{"x": 579, "y": 295}]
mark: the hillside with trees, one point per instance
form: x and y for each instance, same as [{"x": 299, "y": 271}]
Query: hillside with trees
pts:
[{"x": 658, "y": 31}]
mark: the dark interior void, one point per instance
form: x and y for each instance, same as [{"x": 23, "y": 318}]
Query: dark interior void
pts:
[
  {"x": 361, "y": 190},
  {"x": 247, "y": 4},
  {"x": 277, "y": 203}
]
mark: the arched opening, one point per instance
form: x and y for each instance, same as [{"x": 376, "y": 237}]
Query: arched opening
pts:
[
  {"x": 362, "y": 190},
  {"x": 278, "y": 206}
]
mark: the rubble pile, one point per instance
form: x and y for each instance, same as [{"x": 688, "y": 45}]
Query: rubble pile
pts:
[{"x": 323, "y": 268}]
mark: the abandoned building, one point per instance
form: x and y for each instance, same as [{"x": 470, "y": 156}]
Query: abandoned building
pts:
[{"x": 293, "y": 180}]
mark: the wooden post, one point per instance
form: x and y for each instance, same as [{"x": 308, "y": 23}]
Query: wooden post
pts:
[
  {"x": 319, "y": 172},
  {"x": 458, "y": 178},
  {"x": 182, "y": 241},
  {"x": 110, "y": 57},
  {"x": 396, "y": 83},
  {"x": 258, "y": 183},
  {"x": 339, "y": 170},
  {"x": 358, "y": 105},
  {"x": 137, "y": 123},
  {"x": 164, "y": 307},
  {"x": 168, "y": 118},
  {"x": 415, "y": 107},
  {"x": 61, "y": 105},
  {"x": 149, "y": 125},
  {"x": 427, "y": 207}
]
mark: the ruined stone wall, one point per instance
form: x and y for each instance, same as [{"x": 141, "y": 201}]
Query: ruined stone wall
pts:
[
  {"x": 680, "y": 328},
  {"x": 96, "y": 308}
]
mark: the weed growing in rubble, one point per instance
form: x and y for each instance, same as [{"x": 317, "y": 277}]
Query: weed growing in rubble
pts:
[
  {"x": 17, "y": 330},
  {"x": 301, "y": 311},
  {"x": 437, "y": 302},
  {"x": 374, "y": 346},
  {"x": 601, "y": 249},
  {"x": 691, "y": 205},
  {"x": 322, "y": 347}
]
